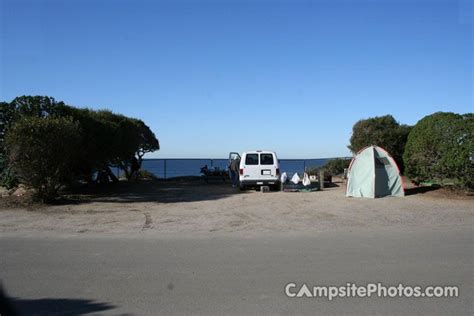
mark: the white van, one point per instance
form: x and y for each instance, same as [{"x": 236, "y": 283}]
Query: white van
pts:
[{"x": 258, "y": 168}]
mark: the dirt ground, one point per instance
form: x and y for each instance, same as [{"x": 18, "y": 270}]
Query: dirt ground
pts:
[{"x": 191, "y": 206}]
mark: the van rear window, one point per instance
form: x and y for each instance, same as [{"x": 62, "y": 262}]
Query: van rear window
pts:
[
  {"x": 266, "y": 159},
  {"x": 251, "y": 159}
]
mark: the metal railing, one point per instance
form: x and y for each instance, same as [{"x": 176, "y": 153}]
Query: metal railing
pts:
[{"x": 179, "y": 167}]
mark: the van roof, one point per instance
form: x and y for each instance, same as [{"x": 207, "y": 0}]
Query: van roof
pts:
[{"x": 259, "y": 151}]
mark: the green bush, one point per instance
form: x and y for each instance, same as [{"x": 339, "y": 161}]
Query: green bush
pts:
[
  {"x": 331, "y": 168},
  {"x": 336, "y": 166},
  {"x": 42, "y": 152},
  {"x": 439, "y": 149},
  {"x": 314, "y": 171},
  {"x": 146, "y": 175},
  {"x": 383, "y": 131}
]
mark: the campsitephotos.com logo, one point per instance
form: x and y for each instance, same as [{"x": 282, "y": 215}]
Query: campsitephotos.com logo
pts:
[{"x": 293, "y": 290}]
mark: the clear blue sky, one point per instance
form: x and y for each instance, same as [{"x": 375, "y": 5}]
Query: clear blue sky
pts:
[{"x": 214, "y": 76}]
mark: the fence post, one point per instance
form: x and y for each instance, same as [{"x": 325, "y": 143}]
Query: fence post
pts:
[
  {"x": 321, "y": 179},
  {"x": 164, "y": 167},
  {"x": 304, "y": 165}
]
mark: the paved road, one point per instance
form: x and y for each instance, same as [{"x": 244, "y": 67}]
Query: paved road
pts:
[{"x": 230, "y": 275}]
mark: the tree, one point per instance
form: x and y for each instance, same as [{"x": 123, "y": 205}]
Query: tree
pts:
[
  {"x": 147, "y": 140},
  {"x": 132, "y": 140},
  {"x": 37, "y": 106},
  {"x": 99, "y": 138},
  {"x": 107, "y": 139},
  {"x": 383, "y": 131},
  {"x": 33, "y": 106},
  {"x": 4, "y": 107},
  {"x": 7, "y": 177},
  {"x": 4, "y": 115},
  {"x": 439, "y": 147},
  {"x": 43, "y": 151},
  {"x": 139, "y": 141}
]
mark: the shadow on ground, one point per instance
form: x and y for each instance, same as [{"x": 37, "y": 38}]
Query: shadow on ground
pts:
[
  {"x": 58, "y": 306},
  {"x": 162, "y": 191},
  {"x": 421, "y": 189},
  {"x": 10, "y": 306},
  {"x": 332, "y": 184}
]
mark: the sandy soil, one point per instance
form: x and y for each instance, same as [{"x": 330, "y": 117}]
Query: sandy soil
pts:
[{"x": 153, "y": 207}]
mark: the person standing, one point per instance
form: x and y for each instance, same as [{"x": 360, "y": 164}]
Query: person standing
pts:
[
  {"x": 135, "y": 168},
  {"x": 234, "y": 171}
]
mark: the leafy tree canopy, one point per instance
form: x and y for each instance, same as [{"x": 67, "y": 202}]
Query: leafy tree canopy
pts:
[
  {"x": 106, "y": 138},
  {"x": 439, "y": 147},
  {"x": 383, "y": 131}
]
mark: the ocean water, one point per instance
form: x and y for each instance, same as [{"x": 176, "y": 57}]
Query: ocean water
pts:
[{"x": 169, "y": 168}]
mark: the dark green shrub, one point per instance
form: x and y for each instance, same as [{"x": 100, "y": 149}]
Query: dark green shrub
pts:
[
  {"x": 8, "y": 179},
  {"x": 439, "y": 149},
  {"x": 314, "y": 171},
  {"x": 42, "y": 152},
  {"x": 336, "y": 166},
  {"x": 4, "y": 114},
  {"x": 383, "y": 131}
]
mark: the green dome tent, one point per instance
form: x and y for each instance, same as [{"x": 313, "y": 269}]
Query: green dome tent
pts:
[{"x": 373, "y": 173}]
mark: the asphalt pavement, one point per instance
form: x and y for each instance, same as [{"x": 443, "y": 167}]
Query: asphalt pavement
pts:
[{"x": 219, "y": 274}]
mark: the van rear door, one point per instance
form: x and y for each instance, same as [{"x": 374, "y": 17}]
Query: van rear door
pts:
[
  {"x": 233, "y": 156},
  {"x": 250, "y": 166},
  {"x": 268, "y": 166}
]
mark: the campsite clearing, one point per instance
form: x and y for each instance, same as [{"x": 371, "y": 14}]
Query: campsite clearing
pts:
[{"x": 192, "y": 207}]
